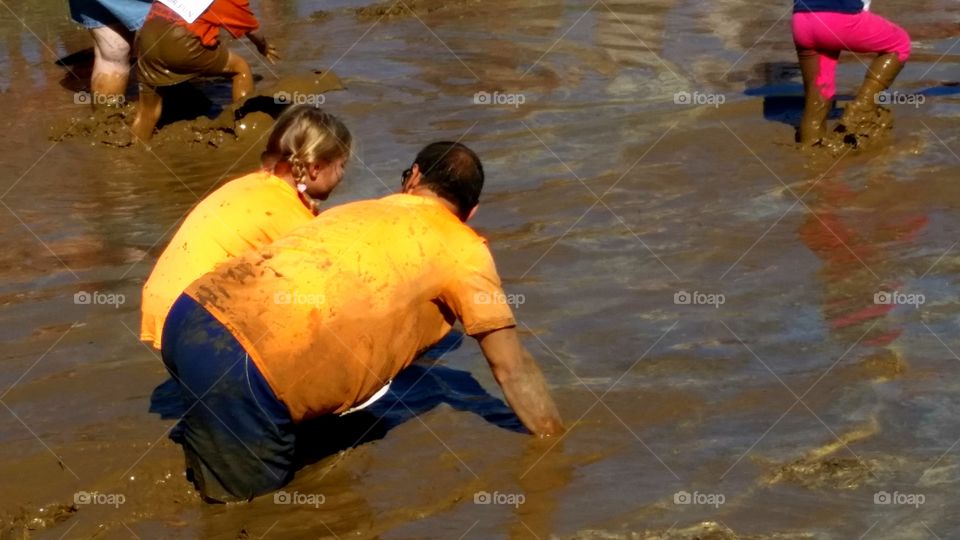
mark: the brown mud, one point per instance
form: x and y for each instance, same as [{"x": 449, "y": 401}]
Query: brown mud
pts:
[
  {"x": 393, "y": 9},
  {"x": 820, "y": 469},
  {"x": 108, "y": 125},
  {"x": 708, "y": 530},
  {"x": 868, "y": 131},
  {"x": 605, "y": 198},
  {"x": 27, "y": 523}
]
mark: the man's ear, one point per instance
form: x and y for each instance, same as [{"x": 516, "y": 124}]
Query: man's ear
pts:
[
  {"x": 473, "y": 212},
  {"x": 413, "y": 181}
]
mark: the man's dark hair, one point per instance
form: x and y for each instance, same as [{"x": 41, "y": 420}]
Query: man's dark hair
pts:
[{"x": 453, "y": 172}]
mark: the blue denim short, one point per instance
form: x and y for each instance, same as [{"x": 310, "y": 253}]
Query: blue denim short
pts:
[{"x": 97, "y": 13}]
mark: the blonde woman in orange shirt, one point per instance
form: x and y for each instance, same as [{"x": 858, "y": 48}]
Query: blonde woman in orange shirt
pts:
[{"x": 303, "y": 163}]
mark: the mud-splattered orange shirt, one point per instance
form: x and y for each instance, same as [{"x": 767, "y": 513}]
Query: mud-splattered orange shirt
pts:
[
  {"x": 336, "y": 308},
  {"x": 241, "y": 215}
]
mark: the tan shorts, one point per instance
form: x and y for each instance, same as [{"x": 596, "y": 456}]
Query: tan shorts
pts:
[{"x": 169, "y": 54}]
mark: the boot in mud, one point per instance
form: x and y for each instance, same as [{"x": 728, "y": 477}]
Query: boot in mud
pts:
[
  {"x": 816, "y": 108},
  {"x": 863, "y": 115}
]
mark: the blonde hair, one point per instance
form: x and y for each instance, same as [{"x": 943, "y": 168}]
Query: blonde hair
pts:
[{"x": 305, "y": 135}]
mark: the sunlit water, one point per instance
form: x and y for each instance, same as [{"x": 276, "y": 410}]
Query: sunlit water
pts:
[{"x": 606, "y": 202}]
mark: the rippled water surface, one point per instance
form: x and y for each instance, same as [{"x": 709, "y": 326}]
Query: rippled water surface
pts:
[{"x": 782, "y": 390}]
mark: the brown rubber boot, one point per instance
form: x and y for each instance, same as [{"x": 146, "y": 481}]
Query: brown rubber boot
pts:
[
  {"x": 813, "y": 125},
  {"x": 881, "y": 74}
]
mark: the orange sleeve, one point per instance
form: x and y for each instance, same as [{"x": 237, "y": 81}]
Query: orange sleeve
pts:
[
  {"x": 475, "y": 295},
  {"x": 235, "y": 16}
]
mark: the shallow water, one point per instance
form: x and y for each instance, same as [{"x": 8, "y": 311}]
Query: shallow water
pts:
[{"x": 796, "y": 401}]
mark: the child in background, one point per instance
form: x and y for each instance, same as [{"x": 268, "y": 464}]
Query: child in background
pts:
[
  {"x": 112, "y": 23},
  {"x": 172, "y": 50},
  {"x": 303, "y": 163},
  {"x": 823, "y": 28}
]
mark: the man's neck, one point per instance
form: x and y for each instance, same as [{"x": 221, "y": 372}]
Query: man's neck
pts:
[{"x": 421, "y": 191}]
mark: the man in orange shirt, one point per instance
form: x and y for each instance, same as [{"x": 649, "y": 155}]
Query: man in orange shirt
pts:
[
  {"x": 173, "y": 50},
  {"x": 321, "y": 319}
]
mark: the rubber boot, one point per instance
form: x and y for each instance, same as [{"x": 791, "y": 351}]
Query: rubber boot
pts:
[
  {"x": 881, "y": 74},
  {"x": 813, "y": 125}
]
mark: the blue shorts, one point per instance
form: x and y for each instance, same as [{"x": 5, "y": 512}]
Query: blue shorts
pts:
[
  {"x": 237, "y": 436},
  {"x": 98, "y": 13}
]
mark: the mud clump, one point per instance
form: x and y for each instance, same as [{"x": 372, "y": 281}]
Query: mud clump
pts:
[
  {"x": 862, "y": 133},
  {"x": 398, "y": 9},
  {"x": 835, "y": 473},
  {"x": 253, "y": 125}
]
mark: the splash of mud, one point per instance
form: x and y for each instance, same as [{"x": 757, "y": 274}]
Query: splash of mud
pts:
[
  {"x": 863, "y": 132},
  {"x": 110, "y": 125}
]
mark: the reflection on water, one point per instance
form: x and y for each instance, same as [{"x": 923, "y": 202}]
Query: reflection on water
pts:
[{"x": 604, "y": 199}]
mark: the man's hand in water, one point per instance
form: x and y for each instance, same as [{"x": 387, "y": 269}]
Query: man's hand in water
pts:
[
  {"x": 521, "y": 380},
  {"x": 266, "y": 49}
]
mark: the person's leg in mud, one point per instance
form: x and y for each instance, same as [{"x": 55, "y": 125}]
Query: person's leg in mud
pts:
[
  {"x": 148, "y": 113},
  {"x": 819, "y": 75},
  {"x": 863, "y": 32},
  {"x": 242, "y": 77},
  {"x": 238, "y": 438},
  {"x": 111, "y": 64},
  {"x": 873, "y": 33}
]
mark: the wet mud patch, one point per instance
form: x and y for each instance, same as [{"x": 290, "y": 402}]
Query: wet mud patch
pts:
[
  {"x": 818, "y": 469},
  {"x": 398, "y": 9},
  {"x": 707, "y": 530},
  {"x": 827, "y": 473},
  {"x": 25, "y": 522},
  {"x": 866, "y": 131},
  {"x": 191, "y": 127}
]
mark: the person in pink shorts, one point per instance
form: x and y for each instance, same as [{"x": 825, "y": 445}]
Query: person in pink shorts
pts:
[{"x": 823, "y": 28}]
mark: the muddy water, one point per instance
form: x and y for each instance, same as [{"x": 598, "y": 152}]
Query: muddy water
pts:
[{"x": 795, "y": 402}]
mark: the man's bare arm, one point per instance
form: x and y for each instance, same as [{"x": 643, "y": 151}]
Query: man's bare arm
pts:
[{"x": 522, "y": 381}]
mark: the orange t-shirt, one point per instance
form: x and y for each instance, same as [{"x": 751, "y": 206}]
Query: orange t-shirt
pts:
[
  {"x": 243, "y": 214},
  {"x": 235, "y": 16},
  {"x": 339, "y": 306}
]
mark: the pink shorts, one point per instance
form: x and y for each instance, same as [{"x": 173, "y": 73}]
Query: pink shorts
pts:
[{"x": 829, "y": 33}]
